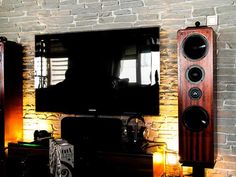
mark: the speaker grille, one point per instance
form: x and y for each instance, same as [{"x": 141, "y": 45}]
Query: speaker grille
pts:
[
  {"x": 195, "y": 118},
  {"x": 195, "y": 46}
]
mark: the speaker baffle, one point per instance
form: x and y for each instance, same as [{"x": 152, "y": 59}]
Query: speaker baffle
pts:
[
  {"x": 195, "y": 47},
  {"x": 195, "y": 118},
  {"x": 195, "y": 93},
  {"x": 195, "y": 74}
]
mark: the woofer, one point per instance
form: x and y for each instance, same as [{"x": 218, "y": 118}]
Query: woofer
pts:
[
  {"x": 195, "y": 118},
  {"x": 195, "y": 47}
]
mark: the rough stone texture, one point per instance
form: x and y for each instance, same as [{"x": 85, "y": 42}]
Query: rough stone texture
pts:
[{"x": 20, "y": 20}]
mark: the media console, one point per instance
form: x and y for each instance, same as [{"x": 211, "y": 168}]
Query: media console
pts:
[
  {"x": 27, "y": 159},
  {"x": 100, "y": 151},
  {"x": 108, "y": 164}
]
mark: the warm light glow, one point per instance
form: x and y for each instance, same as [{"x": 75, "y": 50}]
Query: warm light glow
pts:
[
  {"x": 173, "y": 143},
  {"x": 159, "y": 162},
  {"x": 30, "y": 125},
  {"x": 173, "y": 167},
  {"x": 158, "y": 157},
  {"x": 12, "y": 126},
  {"x": 172, "y": 158}
]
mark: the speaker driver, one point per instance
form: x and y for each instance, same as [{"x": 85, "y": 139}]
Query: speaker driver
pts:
[
  {"x": 195, "y": 74},
  {"x": 195, "y": 47},
  {"x": 195, "y": 93},
  {"x": 195, "y": 118}
]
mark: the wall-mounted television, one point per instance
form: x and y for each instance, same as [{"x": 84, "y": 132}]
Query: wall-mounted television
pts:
[{"x": 106, "y": 72}]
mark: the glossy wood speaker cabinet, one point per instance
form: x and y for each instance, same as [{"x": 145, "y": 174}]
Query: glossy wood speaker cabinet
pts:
[
  {"x": 11, "y": 95},
  {"x": 196, "y": 95}
]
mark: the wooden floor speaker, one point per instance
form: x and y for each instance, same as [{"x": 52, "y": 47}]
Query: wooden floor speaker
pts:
[{"x": 196, "y": 104}]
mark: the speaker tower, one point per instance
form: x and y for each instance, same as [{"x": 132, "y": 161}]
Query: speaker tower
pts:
[{"x": 196, "y": 104}]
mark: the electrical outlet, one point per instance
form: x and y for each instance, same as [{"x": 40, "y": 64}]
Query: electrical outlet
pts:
[{"x": 212, "y": 20}]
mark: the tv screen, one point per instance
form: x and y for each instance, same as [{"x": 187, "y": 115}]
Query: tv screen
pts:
[{"x": 112, "y": 72}]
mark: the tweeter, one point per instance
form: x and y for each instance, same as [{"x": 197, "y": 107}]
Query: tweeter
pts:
[{"x": 196, "y": 95}]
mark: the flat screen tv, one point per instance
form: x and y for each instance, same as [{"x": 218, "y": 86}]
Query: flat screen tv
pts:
[{"x": 106, "y": 72}]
